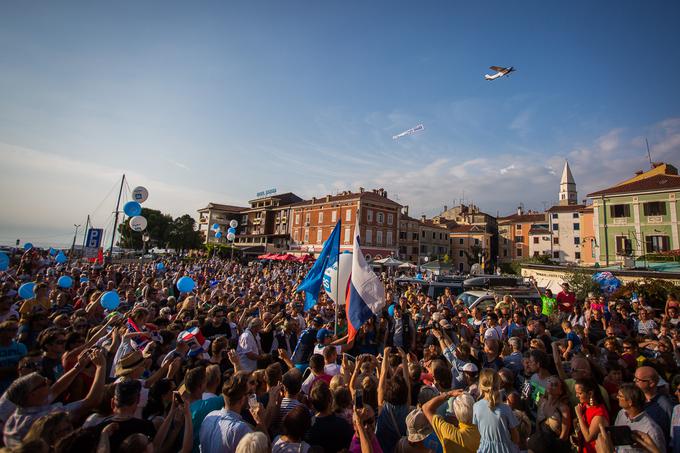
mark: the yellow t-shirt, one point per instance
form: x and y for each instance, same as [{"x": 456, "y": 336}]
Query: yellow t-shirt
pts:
[
  {"x": 464, "y": 439},
  {"x": 30, "y": 305}
]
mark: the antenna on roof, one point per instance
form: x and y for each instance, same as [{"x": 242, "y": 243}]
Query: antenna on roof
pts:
[
  {"x": 649, "y": 155},
  {"x": 545, "y": 205}
]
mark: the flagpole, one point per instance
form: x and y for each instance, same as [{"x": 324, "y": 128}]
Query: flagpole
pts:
[{"x": 337, "y": 283}]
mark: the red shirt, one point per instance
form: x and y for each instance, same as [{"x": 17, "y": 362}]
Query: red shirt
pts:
[
  {"x": 591, "y": 413},
  {"x": 566, "y": 301}
]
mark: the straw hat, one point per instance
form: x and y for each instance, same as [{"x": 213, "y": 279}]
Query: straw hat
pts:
[
  {"x": 129, "y": 362},
  {"x": 417, "y": 426}
]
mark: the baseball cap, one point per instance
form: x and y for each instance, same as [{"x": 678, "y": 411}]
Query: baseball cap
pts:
[
  {"x": 322, "y": 334},
  {"x": 317, "y": 320},
  {"x": 417, "y": 426},
  {"x": 470, "y": 368}
]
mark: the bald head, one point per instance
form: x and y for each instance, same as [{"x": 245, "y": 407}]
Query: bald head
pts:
[{"x": 580, "y": 368}]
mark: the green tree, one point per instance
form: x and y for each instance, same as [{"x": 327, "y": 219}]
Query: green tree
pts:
[
  {"x": 158, "y": 228},
  {"x": 183, "y": 234},
  {"x": 581, "y": 283}
]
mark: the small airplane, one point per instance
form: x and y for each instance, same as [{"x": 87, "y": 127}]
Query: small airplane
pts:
[{"x": 500, "y": 72}]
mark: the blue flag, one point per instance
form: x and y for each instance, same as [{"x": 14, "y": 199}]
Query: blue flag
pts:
[{"x": 311, "y": 285}]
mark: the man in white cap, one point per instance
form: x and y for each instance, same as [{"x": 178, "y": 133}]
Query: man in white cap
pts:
[{"x": 418, "y": 429}]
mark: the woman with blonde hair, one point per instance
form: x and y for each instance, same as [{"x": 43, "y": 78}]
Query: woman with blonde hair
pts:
[{"x": 495, "y": 420}]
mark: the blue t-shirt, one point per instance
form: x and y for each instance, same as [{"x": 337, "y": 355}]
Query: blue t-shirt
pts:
[
  {"x": 199, "y": 410},
  {"x": 571, "y": 336},
  {"x": 9, "y": 357}
]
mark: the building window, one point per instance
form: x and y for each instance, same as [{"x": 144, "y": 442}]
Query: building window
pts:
[
  {"x": 380, "y": 217},
  {"x": 441, "y": 236},
  {"x": 519, "y": 228},
  {"x": 319, "y": 236},
  {"x": 389, "y": 238},
  {"x": 369, "y": 215},
  {"x": 334, "y": 216},
  {"x": 320, "y": 217},
  {"x": 536, "y": 240},
  {"x": 306, "y": 235},
  {"x": 423, "y": 234},
  {"x": 554, "y": 215},
  {"x": 577, "y": 255},
  {"x": 654, "y": 208},
  {"x": 657, "y": 244},
  {"x": 519, "y": 252},
  {"x": 574, "y": 215},
  {"x": 378, "y": 237},
  {"x": 535, "y": 254},
  {"x": 577, "y": 240},
  {"x": 348, "y": 215},
  {"x": 624, "y": 246},
  {"x": 414, "y": 250},
  {"x": 505, "y": 241},
  {"x": 423, "y": 249},
  {"x": 297, "y": 219},
  {"x": 402, "y": 235},
  {"x": 306, "y": 219},
  {"x": 296, "y": 235},
  {"x": 434, "y": 236},
  {"x": 476, "y": 241},
  {"x": 390, "y": 219},
  {"x": 619, "y": 210},
  {"x": 414, "y": 237},
  {"x": 505, "y": 253},
  {"x": 348, "y": 234},
  {"x": 556, "y": 255},
  {"x": 518, "y": 239},
  {"x": 556, "y": 241},
  {"x": 577, "y": 226},
  {"x": 556, "y": 226},
  {"x": 461, "y": 241},
  {"x": 369, "y": 236},
  {"x": 462, "y": 254}
]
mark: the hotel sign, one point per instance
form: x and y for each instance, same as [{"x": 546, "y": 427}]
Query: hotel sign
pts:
[{"x": 266, "y": 193}]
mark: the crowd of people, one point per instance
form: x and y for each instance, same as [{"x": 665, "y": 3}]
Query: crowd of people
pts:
[{"x": 237, "y": 365}]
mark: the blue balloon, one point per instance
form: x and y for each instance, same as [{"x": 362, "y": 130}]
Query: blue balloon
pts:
[
  {"x": 216, "y": 226},
  {"x": 65, "y": 281},
  {"x": 53, "y": 251},
  {"x": 132, "y": 208},
  {"x": 27, "y": 290},
  {"x": 4, "y": 262},
  {"x": 28, "y": 246},
  {"x": 110, "y": 300},
  {"x": 390, "y": 310},
  {"x": 186, "y": 284},
  {"x": 218, "y": 234},
  {"x": 231, "y": 230},
  {"x": 160, "y": 266},
  {"x": 61, "y": 258}
]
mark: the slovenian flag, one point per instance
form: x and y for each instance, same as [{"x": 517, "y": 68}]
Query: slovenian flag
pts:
[{"x": 365, "y": 292}]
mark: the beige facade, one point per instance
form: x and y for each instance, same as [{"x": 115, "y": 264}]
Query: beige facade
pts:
[{"x": 470, "y": 244}]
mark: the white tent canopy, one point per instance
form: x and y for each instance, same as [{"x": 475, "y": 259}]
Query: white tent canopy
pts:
[{"x": 388, "y": 262}]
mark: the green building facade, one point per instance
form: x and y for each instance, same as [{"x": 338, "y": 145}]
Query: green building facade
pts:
[{"x": 638, "y": 216}]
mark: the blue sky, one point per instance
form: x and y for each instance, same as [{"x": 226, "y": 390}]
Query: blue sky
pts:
[{"x": 215, "y": 101}]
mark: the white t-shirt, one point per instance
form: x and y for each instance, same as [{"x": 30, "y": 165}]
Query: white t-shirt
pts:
[
  {"x": 248, "y": 342},
  {"x": 318, "y": 349}
]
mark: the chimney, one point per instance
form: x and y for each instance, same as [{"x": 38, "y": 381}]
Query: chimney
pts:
[
  {"x": 404, "y": 210},
  {"x": 328, "y": 198},
  {"x": 423, "y": 218},
  {"x": 446, "y": 208},
  {"x": 519, "y": 210},
  {"x": 361, "y": 190},
  {"x": 639, "y": 172},
  {"x": 313, "y": 200}
]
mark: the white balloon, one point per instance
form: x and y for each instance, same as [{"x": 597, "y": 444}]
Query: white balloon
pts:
[
  {"x": 138, "y": 223},
  {"x": 233, "y": 224},
  {"x": 332, "y": 276},
  {"x": 231, "y": 236},
  {"x": 140, "y": 194}
]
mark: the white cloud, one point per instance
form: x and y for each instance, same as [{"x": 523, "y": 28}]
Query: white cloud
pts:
[{"x": 507, "y": 169}]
